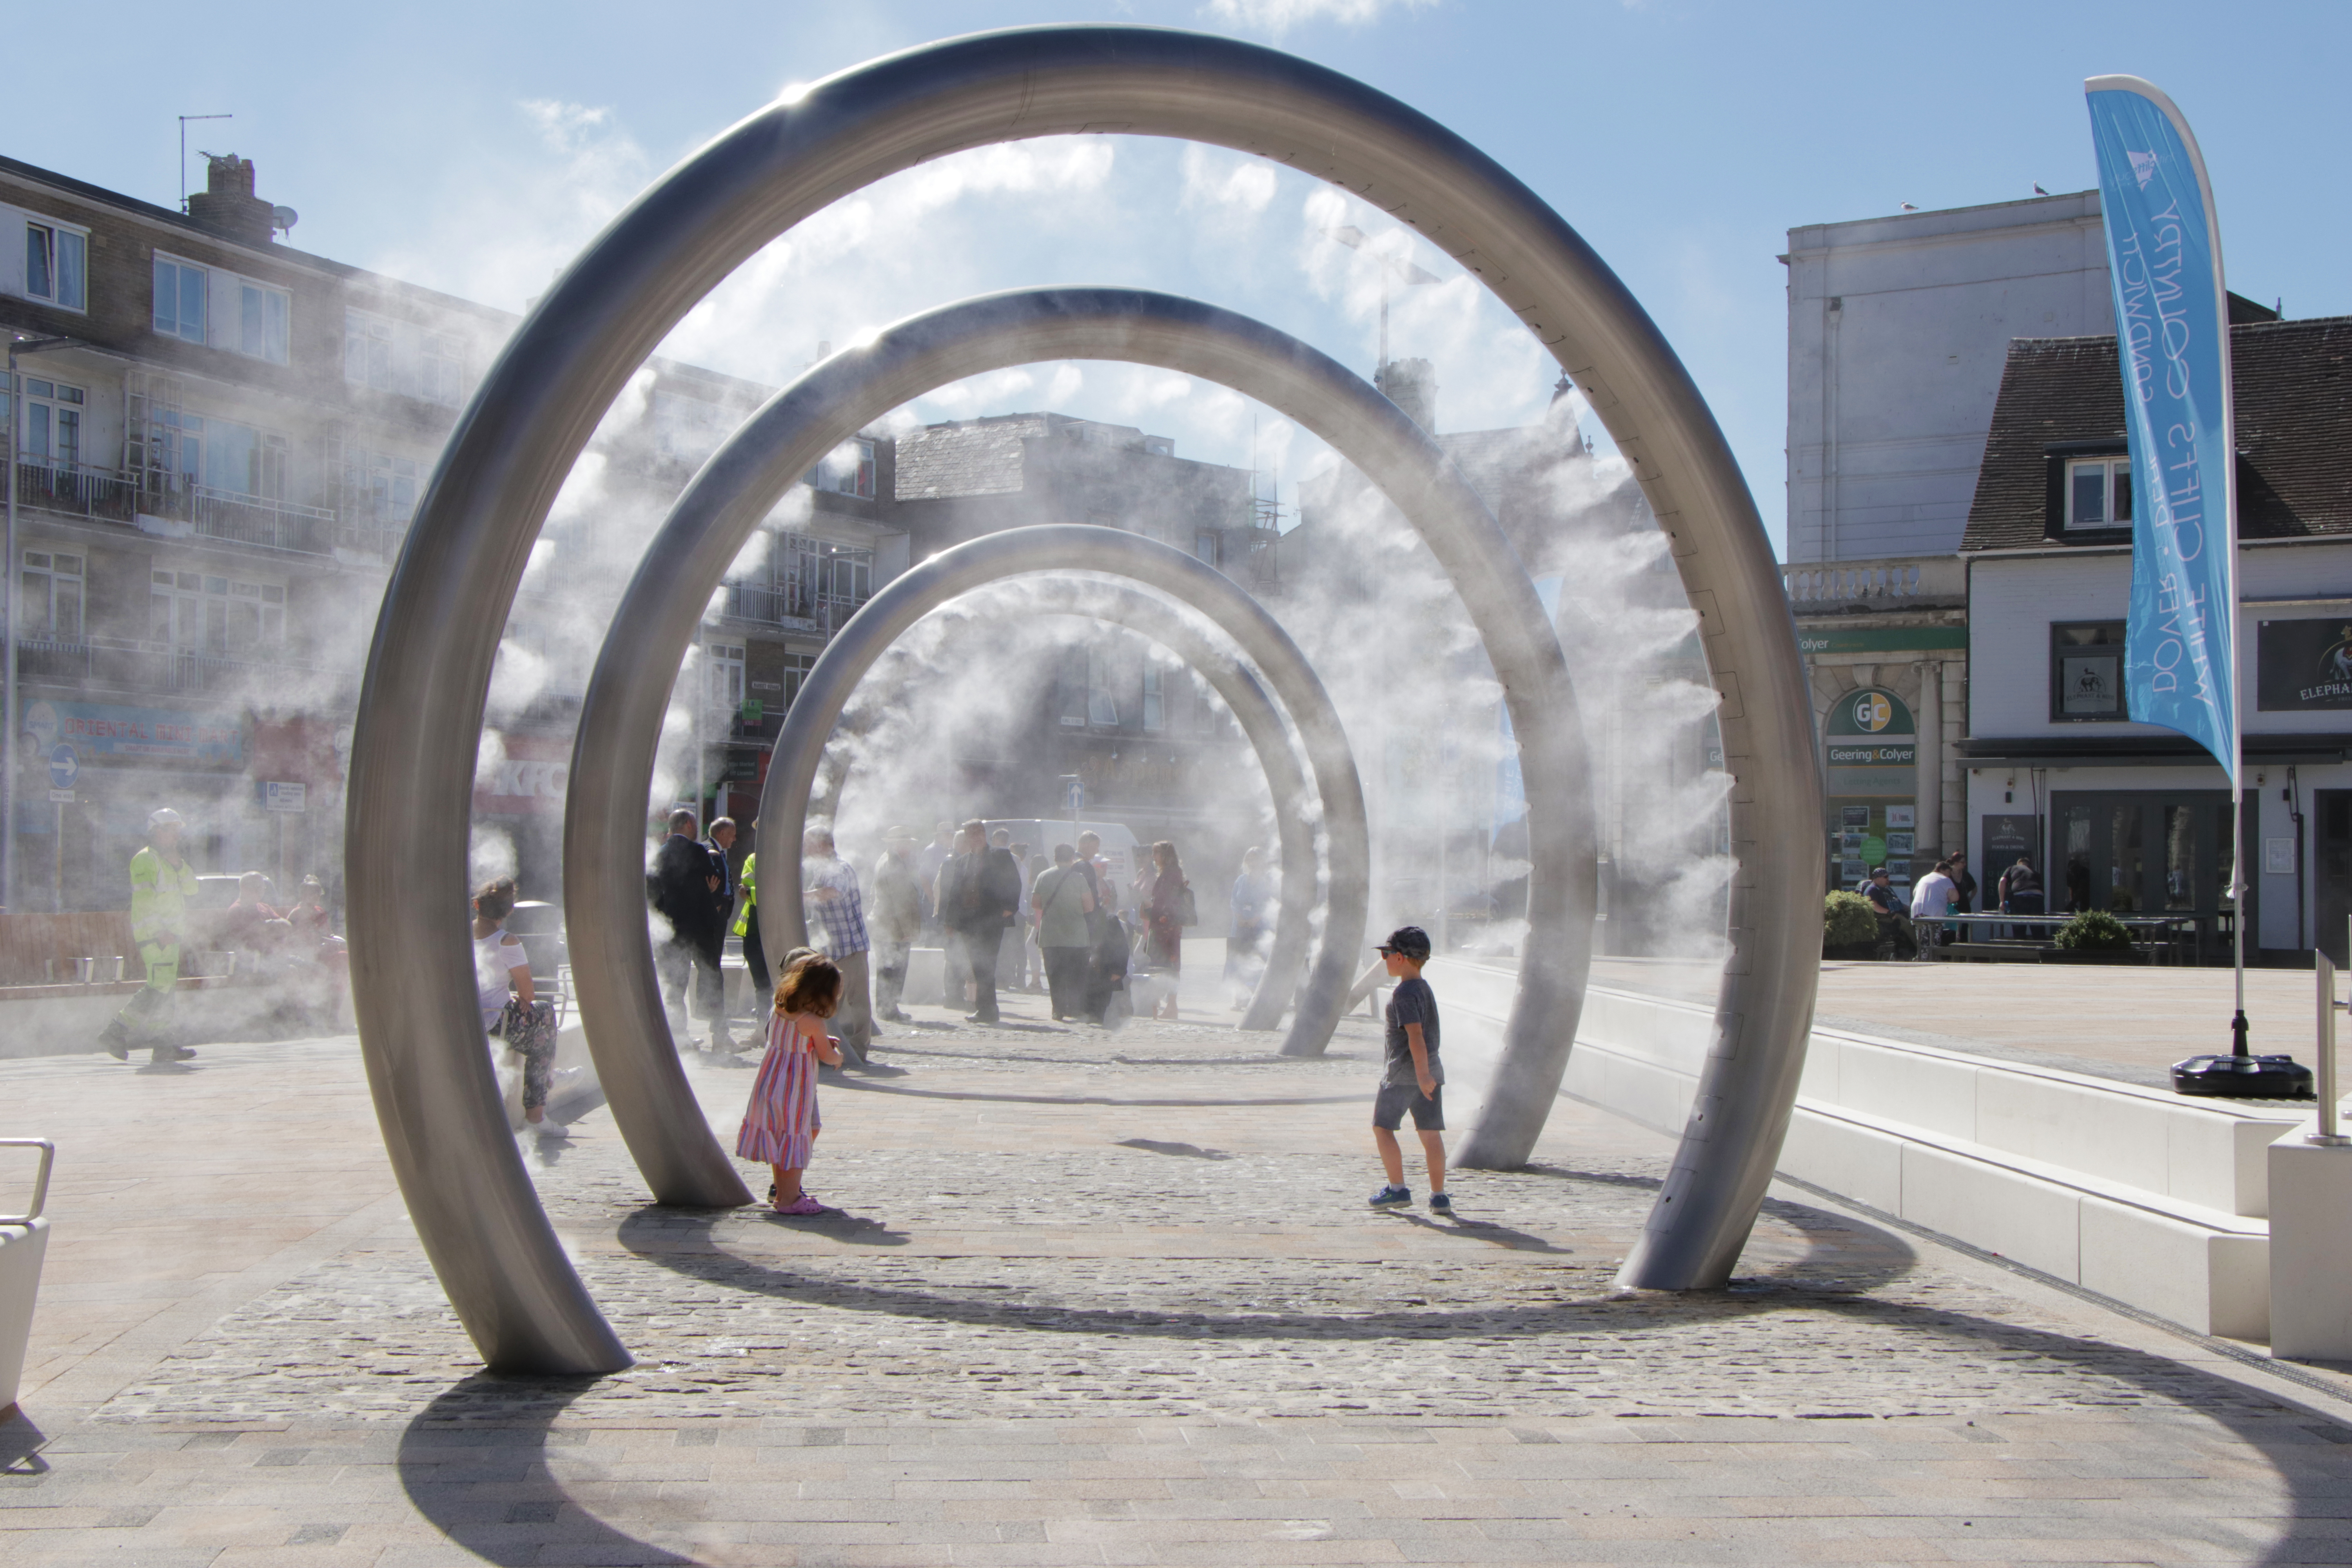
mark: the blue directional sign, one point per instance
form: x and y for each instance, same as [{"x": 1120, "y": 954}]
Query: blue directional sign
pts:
[
  {"x": 63, "y": 767},
  {"x": 1074, "y": 793}
]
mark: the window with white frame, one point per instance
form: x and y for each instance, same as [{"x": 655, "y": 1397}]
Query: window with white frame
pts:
[
  {"x": 197, "y": 612},
  {"x": 723, "y": 676},
  {"x": 1155, "y": 699},
  {"x": 257, "y": 614},
  {"x": 367, "y": 349},
  {"x": 1102, "y": 707},
  {"x": 379, "y": 485},
  {"x": 847, "y": 469},
  {"x": 441, "y": 368},
  {"x": 245, "y": 461},
  {"x": 2099, "y": 492},
  {"x": 262, "y": 313},
  {"x": 180, "y": 291},
  {"x": 51, "y": 596},
  {"x": 687, "y": 429},
  {"x": 57, "y": 264},
  {"x": 179, "y": 441},
  {"x": 52, "y": 427}
]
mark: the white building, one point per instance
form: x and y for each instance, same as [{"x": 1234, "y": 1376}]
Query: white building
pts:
[
  {"x": 2126, "y": 817},
  {"x": 1898, "y": 328}
]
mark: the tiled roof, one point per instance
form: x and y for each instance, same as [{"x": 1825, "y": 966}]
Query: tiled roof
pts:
[
  {"x": 2295, "y": 429},
  {"x": 975, "y": 459}
]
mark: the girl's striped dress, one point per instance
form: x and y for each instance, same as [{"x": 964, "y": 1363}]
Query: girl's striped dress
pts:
[{"x": 780, "y": 1123}]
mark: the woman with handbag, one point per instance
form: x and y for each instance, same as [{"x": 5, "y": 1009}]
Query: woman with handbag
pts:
[
  {"x": 1168, "y": 909},
  {"x": 509, "y": 1010}
]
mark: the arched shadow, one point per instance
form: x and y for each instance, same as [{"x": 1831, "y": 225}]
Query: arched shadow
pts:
[
  {"x": 490, "y": 1433},
  {"x": 475, "y": 1462}
]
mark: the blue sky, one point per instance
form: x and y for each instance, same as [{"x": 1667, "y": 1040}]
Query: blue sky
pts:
[{"x": 474, "y": 147}]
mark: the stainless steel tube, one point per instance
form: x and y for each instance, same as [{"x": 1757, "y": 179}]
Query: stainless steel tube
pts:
[
  {"x": 1261, "y": 722},
  {"x": 429, "y": 665},
  {"x": 1067, "y": 548},
  {"x": 620, "y": 1000}
]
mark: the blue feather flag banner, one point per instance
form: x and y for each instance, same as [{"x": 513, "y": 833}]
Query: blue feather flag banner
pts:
[{"x": 2173, "y": 337}]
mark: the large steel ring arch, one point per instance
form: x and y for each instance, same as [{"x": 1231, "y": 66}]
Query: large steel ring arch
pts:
[
  {"x": 429, "y": 666},
  {"x": 620, "y": 721},
  {"x": 1064, "y": 548},
  {"x": 1261, "y": 722}
]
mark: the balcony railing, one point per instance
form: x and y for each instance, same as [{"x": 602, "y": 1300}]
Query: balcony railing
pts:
[
  {"x": 1930, "y": 578},
  {"x": 209, "y": 511},
  {"x": 790, "y": 609},
  {"x": 111, "y": 664}
]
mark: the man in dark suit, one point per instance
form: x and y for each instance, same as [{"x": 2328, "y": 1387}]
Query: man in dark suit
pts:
[
  {"x": 685, "y": 886},
  {"x": 980, "y": 895}
]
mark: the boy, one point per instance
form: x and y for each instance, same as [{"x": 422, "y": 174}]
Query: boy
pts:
[{"x": 1414, "y": 1078}]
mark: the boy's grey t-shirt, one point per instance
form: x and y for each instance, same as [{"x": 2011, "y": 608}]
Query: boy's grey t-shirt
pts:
[{"x": 1412, "y": 1003}]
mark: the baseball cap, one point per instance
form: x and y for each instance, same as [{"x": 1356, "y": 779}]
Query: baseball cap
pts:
[{"x": 1411, "y": 940}]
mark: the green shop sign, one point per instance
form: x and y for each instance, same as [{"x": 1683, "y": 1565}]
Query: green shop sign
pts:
[{"x": 1882, "y": 639}]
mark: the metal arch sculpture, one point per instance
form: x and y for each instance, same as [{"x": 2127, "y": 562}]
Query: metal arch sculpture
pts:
[
  {"x": 1262, "y": 725},
  {"x": 1072, "y": 547},
  {"x": 803, "y": 422},
  {"x": 429, "y": 665},
  {"x": 620, "y": 721}
]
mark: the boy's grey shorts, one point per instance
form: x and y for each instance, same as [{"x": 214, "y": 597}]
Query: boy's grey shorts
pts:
[{"x": 1428, "y": 1109}]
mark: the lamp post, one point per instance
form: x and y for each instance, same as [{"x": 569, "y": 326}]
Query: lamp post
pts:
[{"x": 8, "y": 597}]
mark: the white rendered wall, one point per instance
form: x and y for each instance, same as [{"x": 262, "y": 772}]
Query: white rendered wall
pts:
[
  {"x": 1891, "y": 387},
  {"x": 2014, "y": 598}
]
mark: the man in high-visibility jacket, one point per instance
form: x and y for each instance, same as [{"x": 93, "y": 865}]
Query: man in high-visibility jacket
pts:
[
  {"x": 755, "y": 956},
  {"x": 162, "y": 884}
]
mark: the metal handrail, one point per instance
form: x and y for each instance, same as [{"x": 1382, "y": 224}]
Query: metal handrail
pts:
[{"x": 40, "y": 1180}]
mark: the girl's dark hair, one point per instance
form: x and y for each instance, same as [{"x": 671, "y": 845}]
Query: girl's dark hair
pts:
[
  {"x": 811, "y": 985},
  {"x": 495, "y": 899}
]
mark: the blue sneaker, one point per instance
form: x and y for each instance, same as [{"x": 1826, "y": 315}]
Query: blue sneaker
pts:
[
  {"x": 1439, "y": 1204},
  {"x": 1391, "y": 1197}
]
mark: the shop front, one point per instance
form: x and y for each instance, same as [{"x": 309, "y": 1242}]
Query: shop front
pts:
[
  {"x": 1872, "y": 747},
  {"x": 95, "y": 772}
]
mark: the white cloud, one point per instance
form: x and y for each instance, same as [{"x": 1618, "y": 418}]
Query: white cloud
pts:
[
  {"x": 1237, "y": 187},
  {"x": 1278, "y": 16}
]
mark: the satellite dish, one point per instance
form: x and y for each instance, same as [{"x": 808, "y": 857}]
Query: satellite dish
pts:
[{"x": 283, "y": 219}]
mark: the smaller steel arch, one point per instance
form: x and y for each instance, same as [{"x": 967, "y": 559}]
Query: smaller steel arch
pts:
[
  {"x": 1263, "y": 724},
  {"x": 1067, "y": 548},
  {"x": 620, "y": 1001}
]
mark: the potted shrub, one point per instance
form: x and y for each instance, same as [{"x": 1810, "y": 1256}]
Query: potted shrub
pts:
[
  {"x": 1849, "y": 927},
  {"x": 2093, "y": 936}
]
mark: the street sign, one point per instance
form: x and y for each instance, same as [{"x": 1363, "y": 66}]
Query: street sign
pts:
[
  {"x": 277, "y": 796},
  {"x": 63, "y": 767},
  {"x": 61, "y": 797},
  {"x": 1074, "y": 793}
]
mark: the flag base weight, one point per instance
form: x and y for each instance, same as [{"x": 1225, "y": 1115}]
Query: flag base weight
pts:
[{"x": 2242, "y": 1076}]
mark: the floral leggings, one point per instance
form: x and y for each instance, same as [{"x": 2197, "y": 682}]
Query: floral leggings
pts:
[{"x": 528, "y": 1030}]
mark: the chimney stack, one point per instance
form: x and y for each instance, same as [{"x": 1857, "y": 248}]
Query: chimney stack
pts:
[
  {"x": 227, "y": 205},
  {"x": 1412, "y": 385}
]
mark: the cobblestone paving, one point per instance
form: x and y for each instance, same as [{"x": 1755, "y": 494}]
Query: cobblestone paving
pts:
[
  {"x": 1092, "y": 1300},
  {"x": 1154, "y": 1275}
]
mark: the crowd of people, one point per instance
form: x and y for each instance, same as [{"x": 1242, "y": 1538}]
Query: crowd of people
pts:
[
  {"x": 1912, "y": 929},
  {"x": 1006, "y": 920}
]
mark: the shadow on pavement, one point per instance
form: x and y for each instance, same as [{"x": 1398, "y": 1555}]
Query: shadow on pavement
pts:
[
  {"x": 20, "y": 1445},
  {"x": 475, "y": 1462}
]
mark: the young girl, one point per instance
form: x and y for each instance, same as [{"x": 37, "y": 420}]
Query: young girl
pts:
[{"x": 780, "y": 1125}]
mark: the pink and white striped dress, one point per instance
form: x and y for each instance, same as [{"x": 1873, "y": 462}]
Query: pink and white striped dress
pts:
[{"x": 780, "y": 1123}]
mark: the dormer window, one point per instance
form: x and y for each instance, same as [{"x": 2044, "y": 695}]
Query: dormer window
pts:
[{"x": 2099, "y": 492}]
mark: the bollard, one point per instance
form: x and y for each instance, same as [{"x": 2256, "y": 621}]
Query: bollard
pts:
[
  {"x": 2311, "y": 1215},
  {"x": 24, "y": 1240}
]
